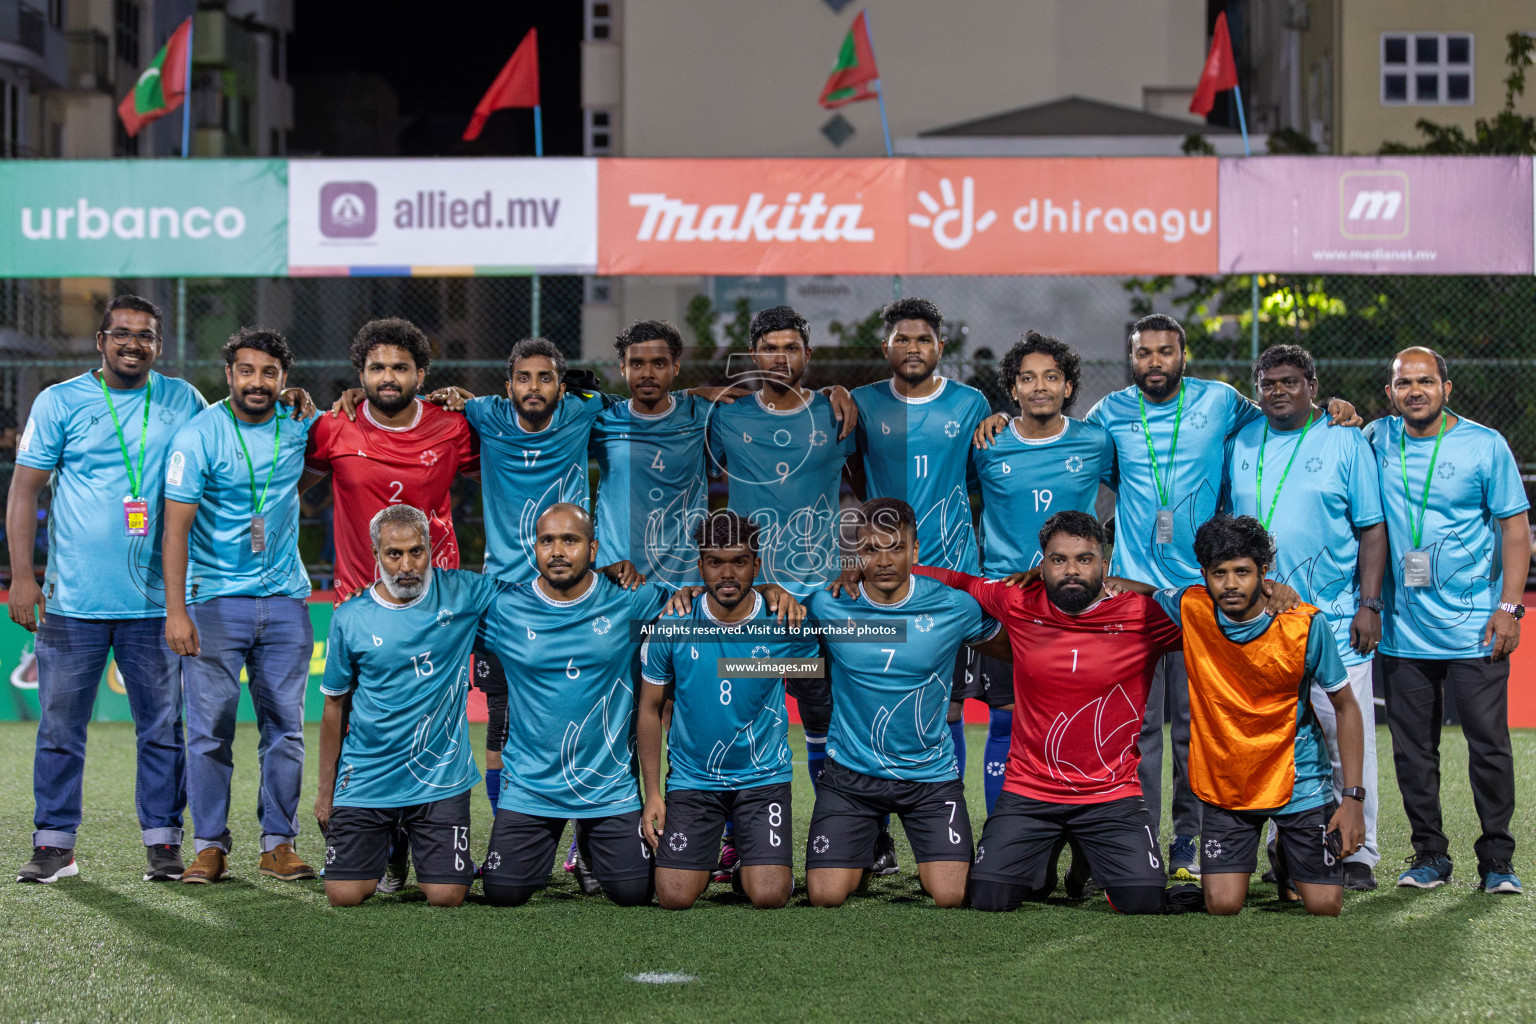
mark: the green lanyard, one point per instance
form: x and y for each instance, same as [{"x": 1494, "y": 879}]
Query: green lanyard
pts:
[
  {"x": 1258, "y": 486},
  {"x": 135, "y": 480},
  {"x": 1178, "y": 418},
  {"x": 1416, "y": 526},
  {"x": 277, "y": 436}
]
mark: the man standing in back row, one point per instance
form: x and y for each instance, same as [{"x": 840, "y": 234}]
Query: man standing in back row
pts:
[{"x": 1459, "y": 526}]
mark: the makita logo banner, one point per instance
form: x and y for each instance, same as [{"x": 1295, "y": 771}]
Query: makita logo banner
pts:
[
  {"x": 750, "y": 216},
  {"x": 900, "y": 216},
  {"x": 1377, "y": 215}
]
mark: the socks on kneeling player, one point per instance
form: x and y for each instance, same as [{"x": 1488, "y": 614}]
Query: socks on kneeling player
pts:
[
  {"x": 995, "y": 754},
  {"x": 493, "y": 787},
  {"x": 815, "y": 756},
  {"x": 957, "y": 732}
]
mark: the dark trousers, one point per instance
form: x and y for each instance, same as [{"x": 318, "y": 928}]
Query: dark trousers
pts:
[{"x": 1415, "y": 708}]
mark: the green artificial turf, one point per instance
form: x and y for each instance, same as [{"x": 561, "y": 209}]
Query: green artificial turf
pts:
[{"x": 106, "y": 946}]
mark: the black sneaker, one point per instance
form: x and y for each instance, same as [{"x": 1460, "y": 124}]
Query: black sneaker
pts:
[
  {"x": 48, "y": 864},
  {"x": 885, "y": 855},
  {"x": 164, "y": 863},
  {"x": 1359, "y": 877},
  {"x": 1079, "y": 883},
  {"x": 589, "y": 883},
  {"x": 396, "y": 874}
]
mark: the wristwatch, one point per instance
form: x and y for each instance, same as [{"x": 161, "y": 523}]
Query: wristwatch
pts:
[
  {"x": 1356, "y": 793},
  {"x": 1517, "y": 610},
  {"x": 1373, "y": 603}
]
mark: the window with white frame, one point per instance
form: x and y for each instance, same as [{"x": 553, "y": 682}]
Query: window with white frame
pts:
[
  {"x": 1426, "y": 68},
  {"x": 599, "y": 132},
  {"x": 599, "y": 20}
]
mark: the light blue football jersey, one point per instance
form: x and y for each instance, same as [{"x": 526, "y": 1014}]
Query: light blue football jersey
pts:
[
  {"x": 1476, "y": 483},
  {"x": 523, "y": 473},
  {"x": 918, "y": 450},
  {"x": 1330, "y": 494},
  {"x": 890, "y": 701},
  {"x": 571, "y": 672},
  {"x": 407, "y": 669},
  {"x": 207, "y": 468},
  {"x": 652, "y": 494},
  {"x": 728, "y": 732},
  {"x": 1024, "y": 482},
  {"x": 1213, "y": 411},
  {"x": 95, "y": 570},
  {"x": 785, "y": 473}
]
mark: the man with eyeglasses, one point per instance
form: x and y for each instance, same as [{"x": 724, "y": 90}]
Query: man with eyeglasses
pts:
[{"x": 102, "y": 437}]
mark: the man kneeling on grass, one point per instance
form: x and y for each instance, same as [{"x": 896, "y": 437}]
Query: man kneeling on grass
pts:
[
  {"x": 396, "y": 682},
  {"x": 1257, "y": 752}
]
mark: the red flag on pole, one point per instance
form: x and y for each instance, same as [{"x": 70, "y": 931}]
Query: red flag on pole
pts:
[
  {"x": 854, "y": 70},
  {"x": 163, "y": 85},
  {"x": 1220, "y": 72},
  {"x": 516, "y": 86}
]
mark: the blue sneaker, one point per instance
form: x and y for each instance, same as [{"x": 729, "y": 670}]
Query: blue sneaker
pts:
[
  {"x": 1184, "y": 859},
  {"x": 1426, "y": 871},
  {"x": 1500, "y": 878}
]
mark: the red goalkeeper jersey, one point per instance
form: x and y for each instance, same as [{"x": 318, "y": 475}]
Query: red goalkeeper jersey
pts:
[
  {"x": 372, "y": 466},
  {"x": 1080, "y": 686}
]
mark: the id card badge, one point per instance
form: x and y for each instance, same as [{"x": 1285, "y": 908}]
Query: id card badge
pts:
[
  {"x": 135, "y": 517},
  {"x": 258, "y": 535},
  {"x": 1164, "y": 531},
  {"x": 1416, "y": 569}
]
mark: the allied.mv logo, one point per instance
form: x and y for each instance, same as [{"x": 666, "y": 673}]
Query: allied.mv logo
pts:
[
  {"x": 1074, "y": 463},
  {"x": 677, "y": 842},
  {"x": 952, "y": 429},
  {"x": 348, "y": 209},
  {"x": 821, "y": 844},
  {"x": 601, "y": 625},
  {"x": 923, "y": 622}
]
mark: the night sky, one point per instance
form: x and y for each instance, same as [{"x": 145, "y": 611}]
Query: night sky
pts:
[{"x": 441, "y": 58}]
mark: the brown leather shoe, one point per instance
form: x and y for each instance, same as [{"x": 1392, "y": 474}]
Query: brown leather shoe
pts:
[
  {"x": 210, "y": 866},
  {"x": 282, "y": 862}
]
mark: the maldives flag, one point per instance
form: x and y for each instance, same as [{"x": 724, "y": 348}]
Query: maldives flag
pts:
[
  {"x": 516, "y": 86},
  {"x": 854, "y": 70},
  {"x": 1220, "y": 72},
  {"x": 163, "y": 85}
]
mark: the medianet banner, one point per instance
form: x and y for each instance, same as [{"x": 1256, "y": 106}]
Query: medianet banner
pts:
[{"x": 1377, "y": 215}]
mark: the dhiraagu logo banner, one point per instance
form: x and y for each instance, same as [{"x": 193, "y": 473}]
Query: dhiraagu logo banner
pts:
[{"x": 143, "y": 218}]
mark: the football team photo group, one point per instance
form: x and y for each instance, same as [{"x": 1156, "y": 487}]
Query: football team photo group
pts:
[{"x": 1178, "y": 577}]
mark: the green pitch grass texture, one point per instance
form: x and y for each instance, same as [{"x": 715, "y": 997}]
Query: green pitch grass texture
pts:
[{"x": 106, "y": 946}]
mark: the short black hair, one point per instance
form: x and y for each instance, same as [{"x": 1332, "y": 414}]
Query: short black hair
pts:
[
  {"x": 1067, "y": 362},
  {"x": 262, "y": 339},
  {"x": 528, "y": 348},
  {"x": 1074, "y": 523},
  {"x": 1285, "y": 355},
  {"x": 1226, "y": 537},
  {"x": 779, "y": 318},
  {"x": 650, "y": 330},
  {"x": 725, "y": 529},
  {"x": 1440, "y": 365},
  {"x": 1158, "y": 322},
  {"x": 888, "y": 513},
  {"x": 391, "y": 331},
  {"x": 913, "y": 309},
  {"x": 138, "y": 304}
]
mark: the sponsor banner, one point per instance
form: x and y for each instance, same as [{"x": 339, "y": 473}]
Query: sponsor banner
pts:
[
  {"x": 1377, "y": 215},
  {"x": 751, "y": 217},
  {"x": 1062, "y": 216},
  {"x": 459, "y": 217},
  {"x": 143, "y": 218}
]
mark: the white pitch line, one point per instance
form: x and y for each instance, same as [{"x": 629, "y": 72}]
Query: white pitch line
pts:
[{"x": 662, "y": 978}]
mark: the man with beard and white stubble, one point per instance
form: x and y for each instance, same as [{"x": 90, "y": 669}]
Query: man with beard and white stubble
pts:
[
  {"x": 235, "y": 590},
  {"x": 395, "y": 757}
]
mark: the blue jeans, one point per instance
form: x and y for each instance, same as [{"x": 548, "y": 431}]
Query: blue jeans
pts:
[
  {"x": 71, "y": 654},
  {"x": 272, "y": 638}
]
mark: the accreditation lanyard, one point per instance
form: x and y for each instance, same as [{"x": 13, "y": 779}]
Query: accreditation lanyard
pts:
[
  {"x": 1416, "y": 567},
  {"x": 1164, "y": 529},
  {"x": 258, "y": 524},
  {"x": 1258, "y": 485},
  {"x": 135, "y": 508}
]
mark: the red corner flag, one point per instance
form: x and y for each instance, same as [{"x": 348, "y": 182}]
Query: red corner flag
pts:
[
  {"x": 516, "y": 86},
  {"x": 854, "y": 70},
  {"x": 1220, "y": 72},
  {"x": 162, "y": 86}
]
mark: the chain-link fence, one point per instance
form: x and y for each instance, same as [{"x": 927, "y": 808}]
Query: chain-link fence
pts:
[{"x": 1485, "y": 327}]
